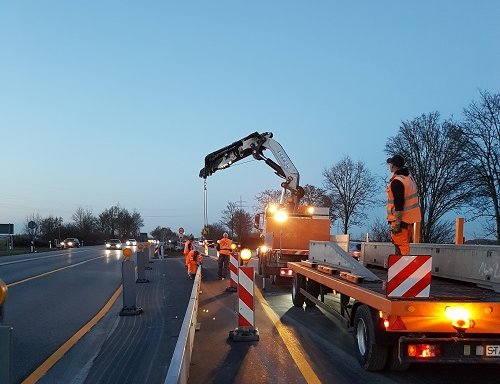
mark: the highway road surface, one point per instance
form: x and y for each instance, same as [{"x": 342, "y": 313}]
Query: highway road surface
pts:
[{"x": 53, "y": 295}]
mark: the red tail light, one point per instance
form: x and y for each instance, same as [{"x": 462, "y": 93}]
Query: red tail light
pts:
[{"x": 424, "y": 350}]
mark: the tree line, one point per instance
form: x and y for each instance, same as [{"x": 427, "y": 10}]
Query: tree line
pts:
[{"x": 113, "y": 222}]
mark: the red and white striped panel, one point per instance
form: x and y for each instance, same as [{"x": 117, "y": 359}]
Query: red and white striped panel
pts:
[
  {"x": 409, "y": 276},
  {"x": 233, "y": 269},
  {"x": 246, "y": 303}
]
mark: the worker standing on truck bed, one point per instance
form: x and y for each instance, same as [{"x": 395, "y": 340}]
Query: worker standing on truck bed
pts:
[
  {"x": 403, "y": 209},
  {"x": 224, "y": 252}
]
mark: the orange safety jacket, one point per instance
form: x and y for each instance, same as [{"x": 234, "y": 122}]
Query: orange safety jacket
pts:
[
  {"x": 411, "y": 209},
  {"x": 225, "y": 246},
  {"x": 193, "y": 260}
]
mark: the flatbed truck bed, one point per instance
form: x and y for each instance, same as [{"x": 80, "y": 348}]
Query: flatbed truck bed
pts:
[{"x": 394, "y": 332}]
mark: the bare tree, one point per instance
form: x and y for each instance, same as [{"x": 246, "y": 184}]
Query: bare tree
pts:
[
  {"x": 379, "y": 231},
  {"x": 84, "y": 221},
  {"x": 314, "y": 196},
  {"x": 481, "y": 129},
  {"x": 33, "y": 233},
  {"x": 433, "y": 152},
  {"x": 352, "y": 189},
  {"x": 266, "y": 197}
]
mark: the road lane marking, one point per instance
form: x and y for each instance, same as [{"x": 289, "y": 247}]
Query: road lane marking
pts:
[
  {"x": 57, "y": 355},
  {"x": 298, "y": 354},
  {"x": 38, "y": 258},
  {"x": 53, "y": 271}
]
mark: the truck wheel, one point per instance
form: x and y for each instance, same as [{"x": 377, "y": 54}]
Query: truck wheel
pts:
[
  {"x": 297, "y": 297},
  {"x": 313, "y": 290},
  {"x": 393, "y": 362},
  {"x": 371, "y": 356}
]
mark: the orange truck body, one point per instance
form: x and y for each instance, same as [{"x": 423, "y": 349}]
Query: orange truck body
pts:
[{"x": 404, "y": 330}]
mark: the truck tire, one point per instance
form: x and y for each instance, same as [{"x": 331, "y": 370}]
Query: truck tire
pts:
[
  {"x": 371, "y": 356},
  {"x": 297, "y": 297},
  {"x": 313, "y": 290}
]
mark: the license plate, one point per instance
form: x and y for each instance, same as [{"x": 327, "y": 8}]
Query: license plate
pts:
[{"x": 492, "y": 350}]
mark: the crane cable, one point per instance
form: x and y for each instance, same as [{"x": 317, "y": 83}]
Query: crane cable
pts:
[{"x": 205, "y": 214}]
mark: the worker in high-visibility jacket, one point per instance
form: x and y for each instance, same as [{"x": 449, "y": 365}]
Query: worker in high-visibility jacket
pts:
[
  {"x": 224, "y": 248},
  {"x": 403, "y": 209},
  {"x": 188, "y": 246},
  {"x": 195, "y": 259}
]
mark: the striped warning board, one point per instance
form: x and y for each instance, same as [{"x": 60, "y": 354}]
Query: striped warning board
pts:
[
  {"x": 409, "y": 276},
  {"x": 246, "y": 303},
  {"x": 233, "y": 270}
]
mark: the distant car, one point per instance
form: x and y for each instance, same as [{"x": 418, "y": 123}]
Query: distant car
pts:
[
  {"x": 210, "y": 243},
  {"x": 114, "y": 244},
  {"x": 131, "y": 242},
  {"x": 70, "y": 242}
]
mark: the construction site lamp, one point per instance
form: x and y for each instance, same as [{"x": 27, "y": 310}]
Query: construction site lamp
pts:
[
  {"x": 263, "y": 248},
  {"x": 245, "y": 255},
  {"x": 233, "y": 246},
  {"x": 272, "y": 208},
  {"x": 281, "y": 216},
  {"x": 459, "y": 316},
  {"x": 127, "y": 252},
  {"x": 310, "y": 210},
  {"x": 3, "y": 292}
]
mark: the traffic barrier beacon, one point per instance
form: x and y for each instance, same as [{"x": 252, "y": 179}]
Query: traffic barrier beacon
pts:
[
  {"x": 246, "y": 330},
  {"x": 128, "y": 276}
]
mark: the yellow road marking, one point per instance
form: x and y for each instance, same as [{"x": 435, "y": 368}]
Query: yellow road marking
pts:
[
  {"x": 57, "y": 355},
  {"x": 290, "y": 341},
  {"x": 53, "y": 271}
]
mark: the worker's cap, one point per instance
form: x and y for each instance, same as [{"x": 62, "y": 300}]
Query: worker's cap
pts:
[
  {"x": 225, "y": 234},
  {"x": 396, "y": 160}
]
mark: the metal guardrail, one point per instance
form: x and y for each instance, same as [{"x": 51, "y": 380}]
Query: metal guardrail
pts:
[{"x": 178, "y": 371}]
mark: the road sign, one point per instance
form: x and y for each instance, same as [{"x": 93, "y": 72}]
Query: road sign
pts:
[
  {"x": 6, "y": 229},
  {"x": 181, "y": 231}
]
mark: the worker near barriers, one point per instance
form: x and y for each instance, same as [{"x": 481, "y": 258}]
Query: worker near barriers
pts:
[
  {"x": 188, "y": 246},
  {"x": 403, "y": 209},
  {"x": 224, "y": 248},
  {"x": 195, "y": 259}
]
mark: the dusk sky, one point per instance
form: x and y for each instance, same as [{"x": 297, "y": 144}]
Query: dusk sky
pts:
[{"x": 119, "y": 102}]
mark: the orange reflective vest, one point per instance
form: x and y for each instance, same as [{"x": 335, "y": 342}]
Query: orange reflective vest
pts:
[
  {"x": 411, "y": 208},
  {"x": 193, "y": 260},
  {"x": 225, "y": 246}
]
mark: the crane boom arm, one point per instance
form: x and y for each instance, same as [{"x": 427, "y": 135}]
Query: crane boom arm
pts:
[{"x": 254, "y": 145}]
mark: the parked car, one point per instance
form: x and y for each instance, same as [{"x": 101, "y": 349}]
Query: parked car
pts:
[
  {"x": 114, "y": 244},
  {"x": 70, "y": 242},
  {"x": 210, "y": 243},
  {"x": 131, "y": 242}
]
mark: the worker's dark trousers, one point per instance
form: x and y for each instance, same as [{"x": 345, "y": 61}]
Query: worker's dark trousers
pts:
[{"x": 223, "y": 264}]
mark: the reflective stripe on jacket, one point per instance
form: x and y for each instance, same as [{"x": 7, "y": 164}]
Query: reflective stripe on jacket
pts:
[{"x": 411, "y": 208}]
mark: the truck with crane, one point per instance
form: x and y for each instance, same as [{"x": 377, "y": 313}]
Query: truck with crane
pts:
[
  {"x": 441, "y": 304},
  {"x": 286, "y": 227}
]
